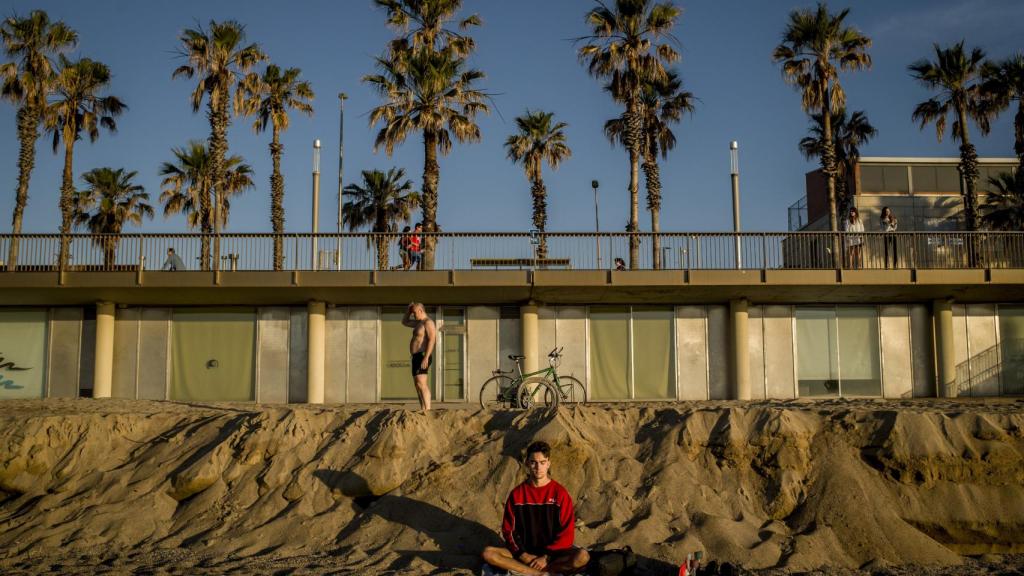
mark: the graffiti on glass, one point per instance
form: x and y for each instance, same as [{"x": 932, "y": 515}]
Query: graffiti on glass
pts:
[{"x": 11, "y": 366}]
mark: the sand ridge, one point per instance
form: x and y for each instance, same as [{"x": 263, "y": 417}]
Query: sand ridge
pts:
[{"x": 783, "y": 486}]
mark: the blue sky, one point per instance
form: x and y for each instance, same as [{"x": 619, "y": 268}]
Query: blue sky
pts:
[{"x": 525, "y": 47}]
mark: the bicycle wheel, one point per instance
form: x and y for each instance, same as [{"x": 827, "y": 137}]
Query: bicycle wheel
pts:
[
  {"x": 498, "y": 392},
  {"x": 570, "y": 390},
  {"x": 537, "y": 392}
]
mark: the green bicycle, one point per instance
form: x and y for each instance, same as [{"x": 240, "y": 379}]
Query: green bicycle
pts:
[{"x": 543, "y": 388}]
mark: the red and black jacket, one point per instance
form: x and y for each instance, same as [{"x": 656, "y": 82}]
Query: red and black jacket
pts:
[{"x": 538, "y": 520}]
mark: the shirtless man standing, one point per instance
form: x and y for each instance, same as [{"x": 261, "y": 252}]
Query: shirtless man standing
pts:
[{"x": 424, "y": 336}]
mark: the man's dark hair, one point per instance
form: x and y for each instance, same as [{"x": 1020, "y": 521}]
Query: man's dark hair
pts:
[
  {"x": 539, "y": 446},
  {"x": 419, "y": 224}
]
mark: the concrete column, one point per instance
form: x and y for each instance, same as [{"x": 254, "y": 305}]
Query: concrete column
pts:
[
  {"x": 531, "y": 331},
  {"x": 103, "y": 373},
  {"x": 315, "y": 349},
  {"x": 739, "y": 354},
  {"x": 945, "y": 360}
]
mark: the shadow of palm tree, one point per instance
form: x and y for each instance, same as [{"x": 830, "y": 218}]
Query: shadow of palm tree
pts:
[{"x": 460, "y": 541}]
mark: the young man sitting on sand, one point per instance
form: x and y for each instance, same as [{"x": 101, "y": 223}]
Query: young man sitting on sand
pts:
[{"x": 539, "y": 524}]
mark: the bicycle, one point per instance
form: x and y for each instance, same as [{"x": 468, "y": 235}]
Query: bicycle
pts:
[{"x": 543, "y": 388}]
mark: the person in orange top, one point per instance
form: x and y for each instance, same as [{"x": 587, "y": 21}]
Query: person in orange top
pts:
[{"x": 539, "y": 524}]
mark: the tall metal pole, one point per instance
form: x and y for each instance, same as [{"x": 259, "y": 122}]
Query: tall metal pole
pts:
[
  {"x": 734, "y": 156},
  {"x": 341, "y": 171},
  {"x": 597, "y": 223},
  {"x": 316, "y": 201}
]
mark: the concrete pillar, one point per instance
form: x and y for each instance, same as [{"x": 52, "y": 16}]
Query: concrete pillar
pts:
[
  {"x": 103, "y": 373},
  {"x": 531, "y": 336},
  {"x": 945, "y": 360},
  {"x": 316, "y": 352},
  {"x": 739, "y": 354}
]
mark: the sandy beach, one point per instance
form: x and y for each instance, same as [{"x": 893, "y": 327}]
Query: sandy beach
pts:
[{"x": 828, "y": 487}]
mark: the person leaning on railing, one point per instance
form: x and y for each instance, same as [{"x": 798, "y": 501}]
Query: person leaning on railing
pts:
[
  {"x": 854, "y": 241},
  {"x": 173, "y": 261},
  {"x": 889, "y": 226}
]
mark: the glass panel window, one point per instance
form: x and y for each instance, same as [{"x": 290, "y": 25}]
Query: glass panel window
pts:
[
  {"x": 947, "y": 179},
  {"x": 22, "y": 353},
  {"x": 1011, "y": 348},
  {"x": 609, "y": 353},
  {"x": 871, "y": 178},
  {"x": 213, "y": 354},
  {"x": 454, "y": 352},
  {"x": 924, "y": 178},
  {"x": 838, "y": 351},
  {"x": 817, "y": 352},
  {"x": 395, "y": 358},
  {"x": 859, "y": 366},
  {"x": 897, "y": 179},
  {"x": 652, "y": 353}
]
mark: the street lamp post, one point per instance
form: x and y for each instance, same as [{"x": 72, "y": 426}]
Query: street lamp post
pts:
[
  {"x": 341, "y": 165},
  {"x": 597, "y": 223},
  {"x": 734, "y": 157},
  {"x": 316, "y": 201}
]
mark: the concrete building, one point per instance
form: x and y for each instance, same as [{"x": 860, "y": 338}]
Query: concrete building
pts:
[
  {"x": 923, "y": 193},
  {"x": 702, "y": 329}
]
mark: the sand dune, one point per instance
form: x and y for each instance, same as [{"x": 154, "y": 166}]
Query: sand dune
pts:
[{"x": 120, "y": 486}]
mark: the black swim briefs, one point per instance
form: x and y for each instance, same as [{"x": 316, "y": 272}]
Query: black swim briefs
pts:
[{"x": 417, "y": 361}]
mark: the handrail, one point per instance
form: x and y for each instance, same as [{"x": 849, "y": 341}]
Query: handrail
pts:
[{"x": 457, "y": 251}]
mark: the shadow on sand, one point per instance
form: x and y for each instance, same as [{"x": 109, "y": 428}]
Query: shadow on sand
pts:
[{"x": 459, "y": 541}]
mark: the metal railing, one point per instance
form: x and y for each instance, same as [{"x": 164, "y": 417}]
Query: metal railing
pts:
[{"x": 576, "y": 251}]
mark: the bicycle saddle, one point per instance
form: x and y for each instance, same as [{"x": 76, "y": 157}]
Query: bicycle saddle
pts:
[{"x": 514, "y": 357}]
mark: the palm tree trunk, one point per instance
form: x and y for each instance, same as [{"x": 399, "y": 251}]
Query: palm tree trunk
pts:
[
  {"x": 1018, "y": 138},
  {"x": 540, "y": 214},
  {"x": 277, "y": 199},
  {"x": 109, "y": 252},
  {"x": 431, "y": 176},
  {"x": 634, "y": 133},
  {"x": 968, "y": 177},
  {"x": 28, "y": 133},
  {"x": 652, "y": 176},
  {"x": 828, "y": 168},
  {"x": 67, "y": 189},
  {"x": 218, "y": 117}
]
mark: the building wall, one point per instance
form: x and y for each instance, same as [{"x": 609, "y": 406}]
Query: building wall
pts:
[
  {"x": 363, "y": 363},
  {"x": 895, "y": 341},
  {"x": 691, "y": 353},
  {"x": 273, "y": 336},
  {"x": 482, "y": 354},
  {"x": 64, "y": 354},
  {"x": 701, "y": 335},
  {"x": 336, "y": 363}
]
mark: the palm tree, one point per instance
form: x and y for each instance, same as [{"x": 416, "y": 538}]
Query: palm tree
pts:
[
  {"x": 539, "y": 140},
  {"x": 220, "y": 58},
  {"x": 1004, "y": 205},
  {"x": 188, "y": 186},
  {"x": 77, "y": 105},
  {"x": 110, "y": 201},
  {"x": 848, "y": 135},
  {"x": 269, "y": 97},
  {"x": 662, "y": 103},
  {"x": 624, "y": 47},
  {"x": 382, "y": 202},
  {"x": 432, "y": 93},
  {"x": 422, "y": 23},
  {"x": 956, "y": 75},
  {"x": 1003, "y": 84},
  {"x": 815, "y": 46},
  {"x": 27, "y": 81}
]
